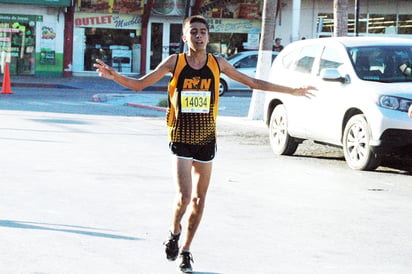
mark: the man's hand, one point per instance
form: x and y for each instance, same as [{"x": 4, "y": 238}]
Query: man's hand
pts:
[
  {"x": 410, "y": 111},
  {"x": 304, "y": 91},
  {"x": 104, "y": 70}
]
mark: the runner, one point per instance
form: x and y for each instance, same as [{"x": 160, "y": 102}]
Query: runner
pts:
[{"x": 193, "y": 95}]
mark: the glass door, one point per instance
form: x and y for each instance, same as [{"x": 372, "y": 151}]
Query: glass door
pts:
[
  {"x": 164, "y": 40},
  {"x": 175, "y": 38}
]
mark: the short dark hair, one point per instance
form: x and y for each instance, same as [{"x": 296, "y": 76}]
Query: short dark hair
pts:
[{"x": 194, "y": 19}]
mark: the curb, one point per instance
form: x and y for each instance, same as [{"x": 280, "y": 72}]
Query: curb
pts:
[
  {"x": 146, "y": 107},
  {"x": 40, "y": 85}
]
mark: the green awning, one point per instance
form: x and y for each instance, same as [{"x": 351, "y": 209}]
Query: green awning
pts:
[{"x": 55, "y": 3}]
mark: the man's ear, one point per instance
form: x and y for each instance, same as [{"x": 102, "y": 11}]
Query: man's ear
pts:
[{"x": 184, "y": 38}]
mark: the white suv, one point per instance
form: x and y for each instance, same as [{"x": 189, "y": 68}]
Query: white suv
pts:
[{"x": 364, "y": 90}]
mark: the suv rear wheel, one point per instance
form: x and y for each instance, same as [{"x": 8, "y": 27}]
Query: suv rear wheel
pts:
[
  {"x": 280, "y": 140},
  {"x": 356, "y": 147}
]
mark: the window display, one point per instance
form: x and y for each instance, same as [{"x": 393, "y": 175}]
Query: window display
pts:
[
  {"x": 114, "y": 47},
  {"x": 17, "y": 44}
]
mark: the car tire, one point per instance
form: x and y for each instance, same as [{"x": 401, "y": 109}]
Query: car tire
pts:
[
  {"x": 222, "y": 87},
  {"x": 280, "y": 140},
  {"x": 356, "y": 145}
]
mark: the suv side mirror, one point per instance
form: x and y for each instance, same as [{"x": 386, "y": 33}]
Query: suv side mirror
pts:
[{"x": 331, "y": 74}]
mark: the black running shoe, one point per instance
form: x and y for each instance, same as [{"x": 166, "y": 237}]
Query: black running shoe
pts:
[
  {"x": 172, "y": 247},
  {"x": 186, "y": 260}
]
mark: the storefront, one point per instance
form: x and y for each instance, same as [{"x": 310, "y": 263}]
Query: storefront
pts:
[
  {"x": 234, "y": 26},
  {"x": 110, "y": 31},
  {"x": 31, "y": 37}
]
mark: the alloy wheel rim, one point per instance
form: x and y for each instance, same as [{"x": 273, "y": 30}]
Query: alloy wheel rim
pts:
[
  {"x": 279, "y": 130},
  {"x": 357, "y": 143}
]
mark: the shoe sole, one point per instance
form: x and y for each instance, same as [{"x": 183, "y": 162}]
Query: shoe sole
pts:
[{"x": 172, "y": 258}]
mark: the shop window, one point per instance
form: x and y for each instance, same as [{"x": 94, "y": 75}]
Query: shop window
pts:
[
  {"x": 326, "y": 24},
  {"x": 382, "y": 23},
  {"x": 156, "y": 45},
  {"x": 175, "y": 37},
  {"x": 112, "y": 46},
  {"x": 17, "y": 44},
  {"x": 362, "y": 23},
  {"x": 405, "y": 24},
  {"x": 227, "y": 44}
]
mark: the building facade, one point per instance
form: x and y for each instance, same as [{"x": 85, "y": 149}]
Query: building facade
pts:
[
  {"x": 64, "y": 37},
  {"x": 313, "y": 19},
  {"x": 32, "y": 36},
  {"x": 111, "y": 30}
]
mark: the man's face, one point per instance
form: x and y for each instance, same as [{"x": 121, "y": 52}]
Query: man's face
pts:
[{"x": 196, "y": 36}]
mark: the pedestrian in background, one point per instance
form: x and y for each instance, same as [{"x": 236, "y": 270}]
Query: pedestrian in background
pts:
[
  {"x": 193, "y": 95},
  {"x": 278, "y": 47}
]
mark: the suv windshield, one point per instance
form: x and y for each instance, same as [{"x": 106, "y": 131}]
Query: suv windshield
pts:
[{"x": 383, "y": 63}]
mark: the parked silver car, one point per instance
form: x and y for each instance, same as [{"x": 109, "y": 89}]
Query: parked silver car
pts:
[
  {"x": 364, "y": 90},
  {"x": 245, "y": 62}
]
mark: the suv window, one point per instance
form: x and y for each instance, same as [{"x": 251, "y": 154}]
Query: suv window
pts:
[
  {"x": 289, "y": 59},
  {"x": 305, "y": 59},
  {"x": 330, "y": 59}
]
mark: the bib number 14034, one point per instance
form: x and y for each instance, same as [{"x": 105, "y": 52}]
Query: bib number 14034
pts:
[{"x": 195, "y": 101}]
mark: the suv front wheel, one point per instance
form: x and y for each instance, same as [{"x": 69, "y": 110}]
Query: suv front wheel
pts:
[
  {"x": 280, "y": 140},
  {"x": 356, "y": 147}
]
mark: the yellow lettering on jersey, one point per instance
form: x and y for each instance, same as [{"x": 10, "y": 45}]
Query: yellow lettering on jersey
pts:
[
  {"x": 205, "y": 84},
  {"x": 188, "y": 84},
  {"x": 197, "y": 83}
]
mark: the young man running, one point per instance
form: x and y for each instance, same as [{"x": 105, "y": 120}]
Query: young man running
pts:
[{"x": 193, "y": 95}]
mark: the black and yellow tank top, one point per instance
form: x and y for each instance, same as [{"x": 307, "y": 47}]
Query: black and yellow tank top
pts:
[{"x": 193, "y": 96}]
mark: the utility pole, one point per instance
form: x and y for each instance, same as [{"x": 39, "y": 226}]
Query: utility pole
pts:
[
  {"x": 340, "y": 17},
  {"x": 265, "y": 58}
]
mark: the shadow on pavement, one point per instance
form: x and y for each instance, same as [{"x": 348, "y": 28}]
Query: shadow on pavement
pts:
[{"x": 66, "y": 228}]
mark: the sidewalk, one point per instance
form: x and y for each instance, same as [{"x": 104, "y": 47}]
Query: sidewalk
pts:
[
  {"x": 109, "y": 92},
  {"x": 76, "y": 82}
]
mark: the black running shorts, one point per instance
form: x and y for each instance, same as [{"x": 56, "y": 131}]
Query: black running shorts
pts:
[{"x": 199, "y": 153}]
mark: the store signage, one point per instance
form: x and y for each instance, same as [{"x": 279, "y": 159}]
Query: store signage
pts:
[
  {"x": 21, "y": 18},
  {"x": 227, "y": 25},
  {"x": 108, "y": 21},
  {"x": 60, "y": 3}
]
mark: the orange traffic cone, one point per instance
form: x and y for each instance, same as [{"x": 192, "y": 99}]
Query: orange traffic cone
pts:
[{"x": 6, "y": 87}]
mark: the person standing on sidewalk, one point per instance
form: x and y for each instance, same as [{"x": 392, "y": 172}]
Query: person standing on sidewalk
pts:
[
  {"x": 193, "y": 95},
  {"x": 277, "y": 47}
]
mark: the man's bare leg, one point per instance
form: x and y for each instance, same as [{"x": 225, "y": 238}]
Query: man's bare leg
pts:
[
  {"x": 183, "y": 177},
  {"x": 201, "y": 173}
]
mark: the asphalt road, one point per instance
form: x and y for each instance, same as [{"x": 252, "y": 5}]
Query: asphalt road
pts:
[{"x": 92, "y": 193}]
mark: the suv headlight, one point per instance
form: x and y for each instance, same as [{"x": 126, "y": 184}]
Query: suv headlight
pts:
[{"x": 395, "y": 103}]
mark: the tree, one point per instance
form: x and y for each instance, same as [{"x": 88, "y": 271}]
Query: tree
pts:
[
  {"x": 264, "y": 59},
  {"x": 340, "y": 17}
]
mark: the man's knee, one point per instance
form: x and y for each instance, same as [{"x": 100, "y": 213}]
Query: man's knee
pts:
[
  {"x": 184, "y": 199},
  {"x": 198, "y": 202}
]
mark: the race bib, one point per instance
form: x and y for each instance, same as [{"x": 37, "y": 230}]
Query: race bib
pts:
[{"x": 195, "y": 101}]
